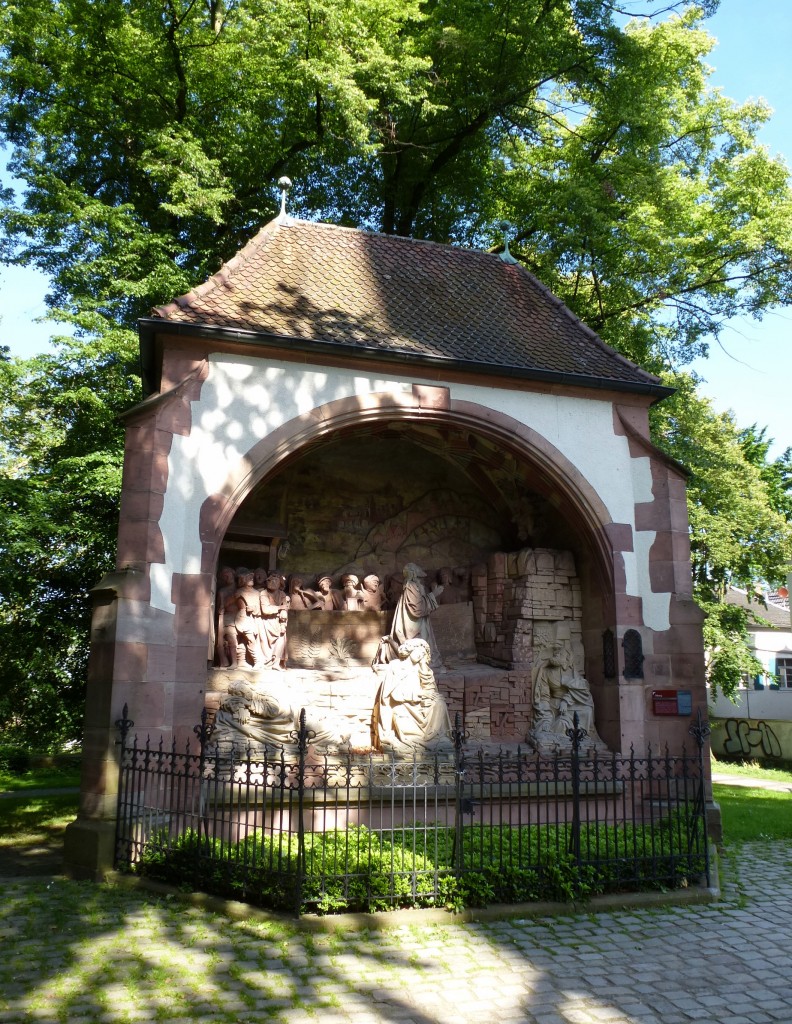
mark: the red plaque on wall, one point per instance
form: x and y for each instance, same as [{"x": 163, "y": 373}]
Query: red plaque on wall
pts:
[{"x": 664, "y": 702}]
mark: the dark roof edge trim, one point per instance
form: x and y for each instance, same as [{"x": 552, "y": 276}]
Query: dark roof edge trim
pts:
[{"x": 150, "y": 326}]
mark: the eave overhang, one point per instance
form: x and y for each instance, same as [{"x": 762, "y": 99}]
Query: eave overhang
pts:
[{"x": 152, "y": 328}]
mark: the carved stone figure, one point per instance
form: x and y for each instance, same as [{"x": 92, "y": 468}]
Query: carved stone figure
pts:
[
  {"x": 394, "y": 584},
  {"x": 560, "y": 691},
  {"x": 247, "y": 621},
  {"x": 409, "y": 713},
  {"x": 274, "y": 619},
  {"x": 449, "y": 592},
  {"x": 326, "y": 597},
  {"x": 300, "y": 598},
  {"x": 257, "y": 717},
  {"x": 351, "y": 589},
  {"x": 411, "y": 617},
  {"x": 225, "y": 613},
  {"x": 371, "y": 593}
]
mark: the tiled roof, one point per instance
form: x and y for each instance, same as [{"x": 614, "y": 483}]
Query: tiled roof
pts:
[
  {"x": 318, "y": 282},
  {"x": 778, "y": 618}
]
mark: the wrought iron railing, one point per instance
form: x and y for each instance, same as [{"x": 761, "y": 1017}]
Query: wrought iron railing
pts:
[{"x": 304, "y": 832}]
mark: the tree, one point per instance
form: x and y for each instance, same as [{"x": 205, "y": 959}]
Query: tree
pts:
[
  {"x": 740, "y": 510},
  {"x": 148, "y": 137},
  {"x": 60, "y": 468}
]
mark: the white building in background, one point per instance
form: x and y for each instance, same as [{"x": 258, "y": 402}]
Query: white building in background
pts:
[{"x": 759, "y": 723}]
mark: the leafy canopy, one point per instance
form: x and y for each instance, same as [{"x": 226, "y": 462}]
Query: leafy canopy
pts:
[
  {"x": 147, "y": 138},
  {"x": 740, "y": 511}
]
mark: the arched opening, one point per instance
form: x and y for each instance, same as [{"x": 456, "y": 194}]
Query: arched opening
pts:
[{"x": 445, "y": 489}]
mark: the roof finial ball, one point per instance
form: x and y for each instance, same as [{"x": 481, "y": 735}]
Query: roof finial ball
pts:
[
  {"x": 506, "y": 228},
  {"x": 284, "y": 184}
]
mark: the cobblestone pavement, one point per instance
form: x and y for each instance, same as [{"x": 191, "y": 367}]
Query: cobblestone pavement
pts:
[{"x": 75, "y": 952}]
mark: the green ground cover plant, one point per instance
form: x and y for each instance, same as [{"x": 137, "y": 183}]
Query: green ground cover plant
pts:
[
  {"x": 360, "y": 870},
  {"x": 750, "y": 814}
]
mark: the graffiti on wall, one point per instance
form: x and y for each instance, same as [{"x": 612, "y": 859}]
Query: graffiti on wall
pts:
[{"x": 745, "y": 737}]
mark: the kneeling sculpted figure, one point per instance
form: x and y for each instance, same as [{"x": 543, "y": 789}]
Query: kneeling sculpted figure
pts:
[
  {"x": 409, "y": 713},
  {"x": 560, "y": 692}
]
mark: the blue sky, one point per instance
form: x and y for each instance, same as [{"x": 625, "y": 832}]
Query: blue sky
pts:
[{"x": 750, "y": 370}]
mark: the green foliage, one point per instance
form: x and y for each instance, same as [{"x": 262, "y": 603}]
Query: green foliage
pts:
[
  {"x": 60, "y": 476},
  {"x": 740, "y": 511},
  {"x": 148, "y": 138},
  {"x": 145, "y": 135},
  {"x": 361, "y": 870}
]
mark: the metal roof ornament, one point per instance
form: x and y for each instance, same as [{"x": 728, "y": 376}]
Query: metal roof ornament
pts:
[
  {"x": 284, "y": 184},
  {"x": 506, "y": 256}
]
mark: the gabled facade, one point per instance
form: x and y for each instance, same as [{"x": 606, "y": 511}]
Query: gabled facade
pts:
[{"x": 335, "y": 399}]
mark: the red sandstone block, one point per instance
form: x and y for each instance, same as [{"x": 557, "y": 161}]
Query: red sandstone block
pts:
[
  {"x": 629, "y": 610},
  {"x": 142, "y": 505},
  {"x": 144, "y": 471},
  {"x": 145, "y": 436},
  {"x": 684, "y": 610},
  {"x": 659, "y": 481},
  {"x": 663, "y": 547},
  {"x": 175, "y": 416},
  {"x": 620, "y": 536},
  {"x": 679, "y": 516},
  {"x": 161, "y": 665},
  {"x": 191, "y": 664},
  {"x": 139, "y": 541},
  {"x": 661, "y": 576},
  {"x": 152, "y": 704},
  {"x": 652, "y": 515},
  {"x": 129, "y": 663},
  {"x": 432, "y": 397},
  {"x": 179, "y": 360}
]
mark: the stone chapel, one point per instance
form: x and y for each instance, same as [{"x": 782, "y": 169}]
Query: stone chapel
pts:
[{"x": 335, "y": 405}]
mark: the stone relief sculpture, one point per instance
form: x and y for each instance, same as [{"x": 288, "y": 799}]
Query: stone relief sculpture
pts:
[
  {"x": 351, "y": 589},
  {"x": 393, "y": 589},
  {"x": 257, "y": 717},
  {"x": 559, "y": 692},
  {"x": 411, "y": 617},
  {"x": 225, "y": 613},
  {"x": 448, "y": 591},
  {"x": 372, "y": 595},
  {"x": 326, "y": 597},
  {"x": 247, "y": 621},
  {"x": 274, "y": 619},
  {"x": 300, "y": 599},
  {"x": 409, "y": 713}
]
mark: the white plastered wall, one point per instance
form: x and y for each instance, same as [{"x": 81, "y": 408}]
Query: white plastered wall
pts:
[{"x": 245, "y": 399}]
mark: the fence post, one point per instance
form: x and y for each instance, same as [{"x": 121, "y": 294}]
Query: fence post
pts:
[
  {"x": 458, "y": 737},
  {"x": 576, "y": 734},
  {"x": 302, "y": 750},
  {"x": 700, "y": 730},
  {"x": 123, "y": 724},
  {"x": 203, "y": 732}
]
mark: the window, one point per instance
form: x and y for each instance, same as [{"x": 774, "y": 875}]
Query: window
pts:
[{"x": 784, "y": 673}]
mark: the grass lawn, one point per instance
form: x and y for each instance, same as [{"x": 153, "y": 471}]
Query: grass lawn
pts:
[
  {"x": 752, "y": 770},
  {"x": 750, "y": 814},
  {"x": 26, "y": 820},
  {"x": 55, "y": 777}
]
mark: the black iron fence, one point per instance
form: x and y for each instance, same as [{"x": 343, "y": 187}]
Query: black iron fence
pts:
[{"x": 305, "y": 832}]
